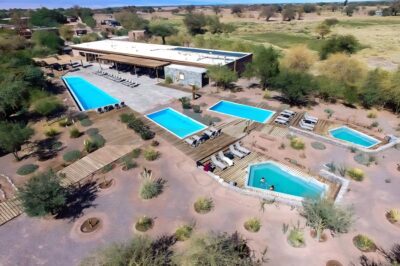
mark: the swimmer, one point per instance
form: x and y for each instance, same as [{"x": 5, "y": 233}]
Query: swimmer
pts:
[
  {"x": 272, "y": 188},
  {"x": 262, "y": 180}
]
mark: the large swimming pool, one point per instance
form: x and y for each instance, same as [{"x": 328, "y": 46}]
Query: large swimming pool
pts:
[
  {"x": 353, "y": 136},
  {"x": 87, "y": 95},
  {"x": 242, "y": 111},
  {"x": 264, "y": 175},
  {"x": 176, "y": 123}
]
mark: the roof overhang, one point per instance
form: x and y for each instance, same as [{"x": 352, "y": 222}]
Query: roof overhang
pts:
[{"x": 136, "y": 61}]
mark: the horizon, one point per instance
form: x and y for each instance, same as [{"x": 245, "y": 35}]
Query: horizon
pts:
[{"x": 52, "y": 4}]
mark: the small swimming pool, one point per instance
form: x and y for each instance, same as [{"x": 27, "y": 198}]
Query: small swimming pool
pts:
[
  {"x": 353, "y": 136},
  {"x": 284, "y": 180},
  {"x": 87, "y": 95},
  {"x": 242, "y": 111},
  {"x": 176, "y": 123}
]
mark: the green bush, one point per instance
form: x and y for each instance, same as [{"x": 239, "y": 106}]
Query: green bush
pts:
[
  {"x": 267, "y": 95},
  {"x": 66, "y": 122},
  {"x": 127, "y": 118},
  {"x": 185, "y": 103},
  {"x": 136, "y": 153},
  {"x": 364, "y": 243},
  {"x": 253, "y": 225},
  {"x": 128, "y": 163},
  {"x": 203, "y": 205},
  {"x": 297, "y": 144},
  {"x": 183, "y": 232},
  {"x": 94, "y": 143},
  {"x": 47, "y": 106},
  {"x": 356, "y": 174},
  {"x": 144, "y": 223},
  {"x": 151, "y": 155},
  {"x": 147, "y": 134},
  {"x": 107, "y": 168},
  {"x": 296, "y": 238},
  {"x": 74, "y": 133},
  {"x": 52, "y": 132},
  {"x": 92, "y": 131},
  {"x": 372, "y": 115},
  {"x": 364, "y": 159},
  {"x": 155, "y": 143},
  {"x": 339, "y": 44},
  {"x": 196, "y": 109},
  {"x": 318, "y": 145},
  {"x": 150, "y": 187},
  {"x": 72, "y": 156},
  {"x": 393, "y": 215},
  {"x": 86, "y": 122},
  {"x": 27, "y": 169},
  {"x": 168, "y": 80},
  {"x": 374, "y": 124}
]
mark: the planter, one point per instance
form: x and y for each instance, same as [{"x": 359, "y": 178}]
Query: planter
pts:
[
  {"x": 333, "y": 263},
  {"x": 106, "y": 184},
  {"x": 90, "y": 225},
  {"x": 364, "y": 244}
]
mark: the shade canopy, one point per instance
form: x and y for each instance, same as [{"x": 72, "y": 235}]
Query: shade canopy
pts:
[{"x": 136, "y": 61}]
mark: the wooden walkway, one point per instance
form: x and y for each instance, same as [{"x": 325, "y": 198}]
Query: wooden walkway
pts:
[
  {"x": 93, "y": 162},
  {"x": 9, "y": 210}
]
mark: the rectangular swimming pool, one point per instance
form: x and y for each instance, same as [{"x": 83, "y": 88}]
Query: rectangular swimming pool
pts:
[
  {"x": 262, "y": 176},
  {"x": 353, "y": 136},
  {"x": 176, "y": 123},
  {"x": 87, "y": 95},
  {"x": 242, "y": 111}
]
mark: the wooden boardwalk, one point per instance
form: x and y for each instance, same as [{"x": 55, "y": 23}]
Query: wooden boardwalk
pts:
[{"x": 9, "y": 210}]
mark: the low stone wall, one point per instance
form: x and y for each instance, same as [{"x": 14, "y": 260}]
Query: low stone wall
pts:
[
  {"x": 344, "y": 183},
  {"x": 393, "y": 141}
]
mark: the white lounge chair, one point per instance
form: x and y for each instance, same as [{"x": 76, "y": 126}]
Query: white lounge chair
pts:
[
  {"x": 241, "y": 148},
  {"x": 289, "y": 112},
  {"x": 191, "y": 142},
  {"x": 222, "y": 156},
  {"x": 197, "y": 138},
  {"x": 236, "y": 152},
  {"x": 281, "y": 122},
  {"x": 306, "y": 126},
  {"x": 217, "y": 132},
  {"x": 311, "y": 118},
  {"x": 218, "y": 163},
  {"x": 209, "y": 133},
  {"x": 283, "y": 118}
]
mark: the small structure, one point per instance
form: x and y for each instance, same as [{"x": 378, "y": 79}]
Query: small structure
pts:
[
  {"x": 187, "y": 75},
  {"x": 379, "y": 12},
  {"x": 137, "y": 35},
  {"x": 81, "y": 32},
  {"x": 72, "y": 19}
]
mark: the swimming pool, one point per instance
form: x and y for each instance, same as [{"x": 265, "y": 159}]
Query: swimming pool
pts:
[
  {"x": 242, "y": 111},
  {"x": 87, "y": 95},
  {"x": 353, "y": 136},
  {"x": 176, "y": 123},
  {"x": 284, "y": 180}
]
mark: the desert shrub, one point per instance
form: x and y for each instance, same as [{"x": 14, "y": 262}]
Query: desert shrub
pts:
[
  {"x": 183, "y": 232},
  {"x": 168, "y": 80},
  {"x": 86, "y": 122},
  {"x": 318, "y": 145},
  {"x": 92, "y": 131},
  {"x": 74, "y": 133},
  {"x": 329, "y": 112},
  {"x": 296, "y": 238},
  {"x": 374, "y": 124},
  {"x": 364, "y": 243},
  {"x": 136, "y": 153},
  {"x": 126, "y": 118},
  {"x": 72, "y": 156},
  {"x": 47, "y": 106},
  {"x": 66, "y": 122},
  {"x": 356, "y": 174},
  {"x": 150, "y": 187},
  {"x": 155, "y": 143},
  {"x": 267, "y": 95},
  {"x": 128, "y": 163},
  {"x": 297, "y": 144},
  {"x": 27, "y": 169},
  {"x": 144, "y": 223},
  {"x": 331, "y": 167},
  {"x": 203, "y": 205},
  {"x": 151, "y": 155},
  {"x": 196, "y": 108},
  {"x": 393, "y": 215},
  {"x": 147, "y": 134},
  {"x": 107, "y": 168},
  {"x": 372, "y": 115},
  {"x": 185, "y": 103},
  {"x": 52, "y": 132},
  {"x": 95, "y": 142},
  {"x": 253, "y": 225},
  {"x": 331, "y": 21},
  {"x": 364, "y": 159}
]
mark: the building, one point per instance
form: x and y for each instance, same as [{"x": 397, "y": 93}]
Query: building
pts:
[{"x": 153, "y": 59}]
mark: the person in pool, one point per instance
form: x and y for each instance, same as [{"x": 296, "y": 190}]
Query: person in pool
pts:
[
  {"x": 272, "y": 188},
  {"x": 262, "y": 180}
]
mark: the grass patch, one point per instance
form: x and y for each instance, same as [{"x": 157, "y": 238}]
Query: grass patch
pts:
[
  {"x": 364, "y": 243},
  {"x": 151, "y": 155},
  {"x": 393, "y": 216},
  {"x": 203, "y": 205},
  {"x": 356, "y": 174},
  {"x": 296, "y": 238},
  {"x": 144, "y": 223},
  {"x": 74, "y": 133},
  {"x": 72, "y": 156},
  {"x": 183, "y": 232},
  {"x": 52, "y": 132},
  {"x": 367, "y": 23},
  {"x": 364, "y": 159},
  {"x": 86, "y": 122},
  {"x": 92, "y": 131},
  {"x": 27, "y": 169},
  {"x": 297, "y": 143},
  {"x": 318, "y": 145},
  {"x": 253, "y": 225}
]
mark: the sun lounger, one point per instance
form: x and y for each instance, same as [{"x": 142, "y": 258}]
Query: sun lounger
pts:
[
  {"x": 311, "y": 118},
  {"x": 100, "y": 110},
  {"x": 197, "y": 138},
  {"x": 308, "y": 122},
  {"x": 222, "y": 156},
  {"x": 218, "y": 163},
  {"x": 235, "y": 152},
  {"x": 123, "y": 104},
  {"x": 241, "y": 149},
  {"x": 281, "y": 122},
  {"x": 306, "y": 126},
  {"x": 209, "y": 133},
  {"x": 283, "y": 118},
  {"x": 191, "y": 142},
  {"x": 288, "y": 112}
]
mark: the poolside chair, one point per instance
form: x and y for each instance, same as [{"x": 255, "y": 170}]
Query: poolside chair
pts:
[
  {"x": 288, "y": 116},
  {"x": 197, "y": 138},
  {"x": 289, "y": 112},
  {"x": 225, "y": 159},
  {"x": 283, "y": 118},
  {"x": 241, "y": 148},
  {"x": 306, "y": 126},
  {"x": 236, "y": 152},
  {"x": 281, "y": 122},
  {"x": 117, "y": 106},
  {"x": 311, "y": 118},
  {"x": 123, "y": 104},
  {"x": 193, "y": 143},
  {"x": 204, "y": 138},
  {"x": 209, "y": 133},
  {"x": 218, "y": 163},
  {"x": 100, "y": 110}
]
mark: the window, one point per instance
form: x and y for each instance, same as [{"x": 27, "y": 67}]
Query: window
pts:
[{"x": 181, "y": 76}]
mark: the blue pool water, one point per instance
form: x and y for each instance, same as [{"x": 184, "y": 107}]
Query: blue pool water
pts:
[
  {"x": 283, "y": 180},
  {"x": 243, "y": 111},
  {"x": 353, "y": 136},
  {"x": 206, "y": 51},
  {"x": 87, "y": 95},
  {"x": 178, "y": 124}
]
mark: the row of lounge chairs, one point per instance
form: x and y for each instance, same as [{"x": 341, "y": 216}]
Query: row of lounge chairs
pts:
[
  {"x": 196, "y": 140},
  {"x": 107, "y": 108},
  {"x": 223, "y": 161},
  {"x": 116, "y": 78},
  {"x": 308, "y": 122},
  {"x": 284, "y": 117}
]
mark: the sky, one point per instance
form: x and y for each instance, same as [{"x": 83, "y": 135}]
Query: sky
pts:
[{"x": 5, "y": 4}]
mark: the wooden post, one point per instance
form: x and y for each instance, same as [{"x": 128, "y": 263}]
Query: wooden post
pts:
[
  {"x": 157, "y": 73},
  {"x": 193, "y": 92}
]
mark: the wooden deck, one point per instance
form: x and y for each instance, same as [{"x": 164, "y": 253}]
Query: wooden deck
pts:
[{"x": 9, "y": 210}]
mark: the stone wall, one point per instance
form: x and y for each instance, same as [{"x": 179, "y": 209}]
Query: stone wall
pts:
[{"x": 190, "y": 78}]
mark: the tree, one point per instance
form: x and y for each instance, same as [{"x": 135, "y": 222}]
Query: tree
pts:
[
  {"x": 265, "y": 65},
  {"x": 394, "y": 90},
  {"x": 322, "y": 30},
  {"x": 298, "y": 58},
  {"x": 12, "y": 136},
  {"x": 374, "y": 87},
  {"x": 329, "y": 90},
  {"x": 216, "y": 9},
  {"x": 44, "y": 17},
  {"x": 12, "y": 96},
  {"x": 189, "y": 9},
  {"x": 294, "y": 86},
  {"x": 322, "y": 214},
  {"x": 300, "y": 12},
  {"x": 222, "y": 75},
  {"x": 195, "y": 23},
  {"x": 215, "y": 26},
  {"x": 47, "y": 39},
  {"x": 339, "y": 44},
  {"x": 47, "y": 106},
  {"x": 237, "y": 10},
  {"x": 131, "y": 21},
  {"x": 268, "y": 12},
  {"x": 217, "y": 249},
  {"x": 349, "y": 10},
  {"x": 288, "y": 13},
  {"x": 66, "y": 32},
  {"x": 395, "y": 7},
  {"x": 309, "y": 8},
  {"x": 43, "y": 195},
  {"x": 162, "y": 30}
]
